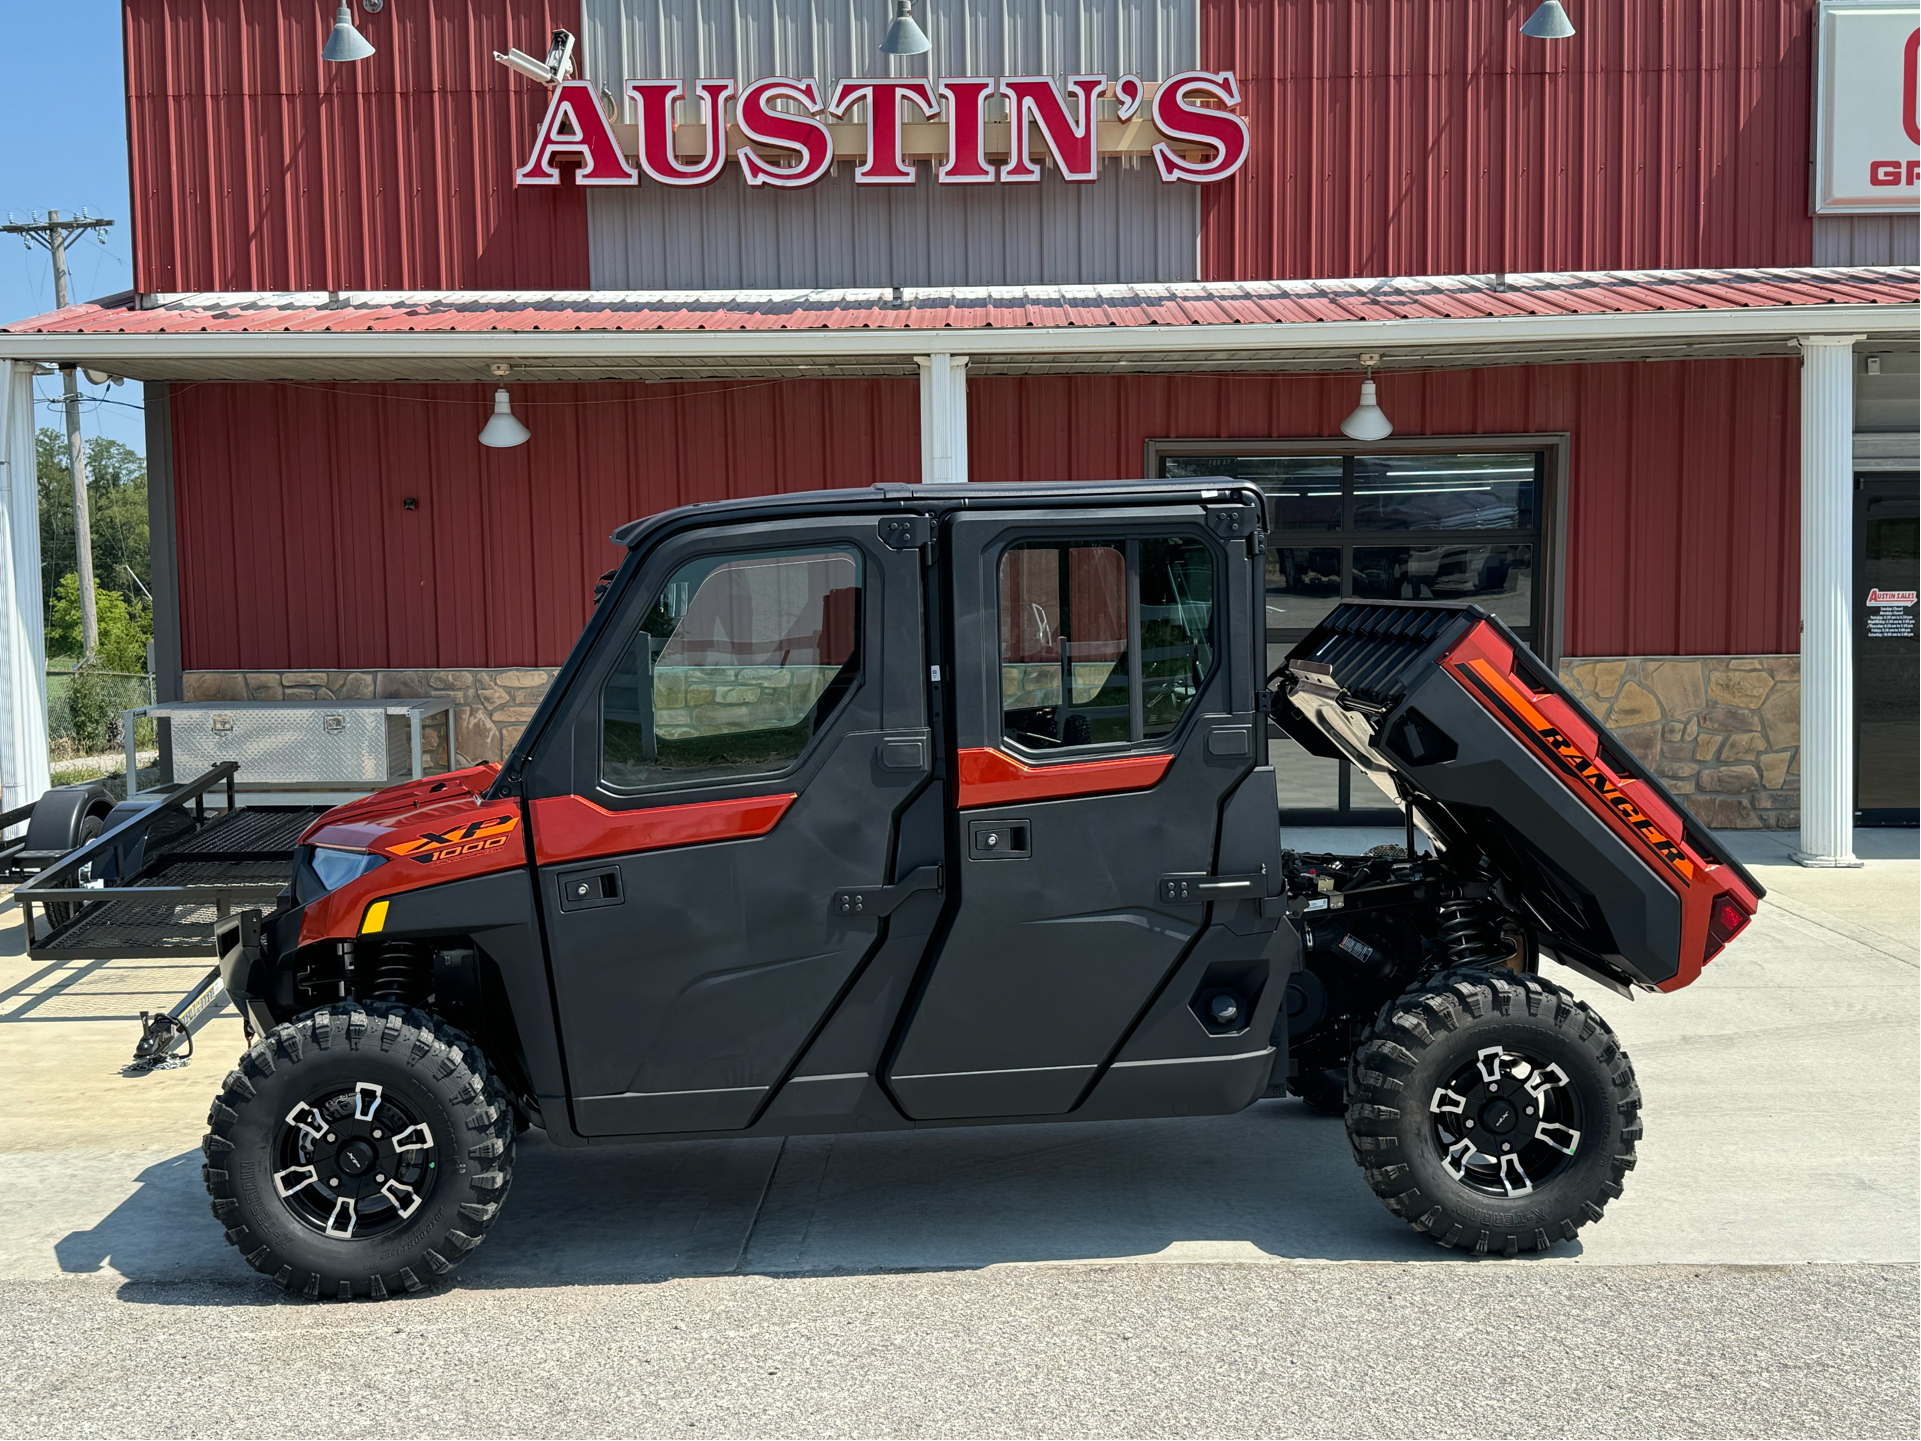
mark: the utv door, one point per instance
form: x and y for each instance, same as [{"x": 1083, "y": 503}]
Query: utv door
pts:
[
  {"x": 1103, "y": 693},
  {"x": 735, "y": 750}
]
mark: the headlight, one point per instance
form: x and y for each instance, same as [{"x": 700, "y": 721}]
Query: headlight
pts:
[{"x": 322, "y": 869}]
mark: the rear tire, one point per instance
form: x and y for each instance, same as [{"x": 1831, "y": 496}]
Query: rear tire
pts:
[
  {"x": 360, "y": 1150},
  {"x": 1469, "y": 1058}
]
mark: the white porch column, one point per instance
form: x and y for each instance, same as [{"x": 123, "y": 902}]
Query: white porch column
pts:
[
  {"x": 943, "y": 418},
  {"x": 1827, "y": 583},
  {"x": 23, "y": 641}
]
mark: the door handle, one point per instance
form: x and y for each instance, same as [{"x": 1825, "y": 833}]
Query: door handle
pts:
[
  {"x": 593, "y": 886},
  {"x": 876, "y": 901}
]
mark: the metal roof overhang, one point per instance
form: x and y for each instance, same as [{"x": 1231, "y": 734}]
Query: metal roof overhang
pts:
[{"x": 463, "y": 356}]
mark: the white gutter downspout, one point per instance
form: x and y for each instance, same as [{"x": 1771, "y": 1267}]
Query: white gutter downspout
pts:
[
  {"x": 1827, "y": 591},
  {"x": 943, "y": 418},
  {"x": 24, "y": 776}
]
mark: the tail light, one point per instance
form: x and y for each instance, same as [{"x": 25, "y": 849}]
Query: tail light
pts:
[{"x": 1725, "y": 921}]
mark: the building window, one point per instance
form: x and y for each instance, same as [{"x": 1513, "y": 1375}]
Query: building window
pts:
[
  {"x": 1103, "y": 642},
  {"x": 1401, "y": 525},
  {"x": 740, "y": 663}
]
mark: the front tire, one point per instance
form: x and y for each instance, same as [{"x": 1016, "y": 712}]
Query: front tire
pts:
[
  {"x": 358, "y": 1151},
  {"x": 1493, "y": 1111}
]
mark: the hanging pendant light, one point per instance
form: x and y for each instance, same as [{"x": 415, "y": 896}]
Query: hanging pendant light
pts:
[
  {"x": 1367, "y": 421},
  {"x": 502, "y": 431},
  {"x": 1550, "y": 22},
  {"x": 904, "y": 36},
  {"x": 346, "y": 43}
]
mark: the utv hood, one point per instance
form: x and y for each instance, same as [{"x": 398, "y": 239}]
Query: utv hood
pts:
[{"x": 1446, "y": 711}]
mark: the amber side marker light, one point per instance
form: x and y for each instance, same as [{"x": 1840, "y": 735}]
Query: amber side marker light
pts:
[
  {"x": 375, "y": 919},
  {"x": 1725, "y": 922}
]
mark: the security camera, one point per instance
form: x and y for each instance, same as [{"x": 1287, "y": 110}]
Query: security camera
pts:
[
  {"x": 558, "y": 65},
  {"x": 102, "y": 377}
]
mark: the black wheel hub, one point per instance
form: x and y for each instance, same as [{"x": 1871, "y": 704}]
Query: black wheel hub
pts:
[
  {"x": 1506, "y": 1123},
  {"x": 353, "y": 1164}
]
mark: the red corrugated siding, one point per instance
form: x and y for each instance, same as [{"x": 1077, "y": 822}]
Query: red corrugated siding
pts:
[
  {"x": 1683, "y": 476},
  {"x": 257, "y": 166},
  {"x": 1393, "y": 138},
  {"x": 296, "y": 551}
]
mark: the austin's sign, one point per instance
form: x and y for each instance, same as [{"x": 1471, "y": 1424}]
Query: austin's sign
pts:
[{"x": 781, "y": 134}]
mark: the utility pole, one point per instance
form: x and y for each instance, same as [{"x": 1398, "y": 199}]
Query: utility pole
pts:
[{"x": 52, "y": 233}]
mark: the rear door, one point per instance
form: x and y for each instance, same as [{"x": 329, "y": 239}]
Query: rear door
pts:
[
  {"x": 1101, "y": 716},
  {"x": 737, "y": 749}
]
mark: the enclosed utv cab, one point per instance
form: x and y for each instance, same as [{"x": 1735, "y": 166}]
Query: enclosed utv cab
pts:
[{"x": 934, "y": 806}]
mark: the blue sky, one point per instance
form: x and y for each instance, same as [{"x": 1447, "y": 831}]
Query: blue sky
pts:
[{"x": 63, "y": 105}]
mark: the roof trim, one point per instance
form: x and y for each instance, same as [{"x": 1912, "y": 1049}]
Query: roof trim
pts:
[{"x": 1481, "y": 315}]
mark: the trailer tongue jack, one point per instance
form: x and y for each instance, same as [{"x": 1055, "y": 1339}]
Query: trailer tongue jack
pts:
[{"x": 160, "y": 1033}]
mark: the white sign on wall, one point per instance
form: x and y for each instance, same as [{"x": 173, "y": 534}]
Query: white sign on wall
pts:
[{"x": 1867, "y": 143}]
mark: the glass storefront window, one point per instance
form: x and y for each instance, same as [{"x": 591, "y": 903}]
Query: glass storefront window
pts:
[
  {"x": 1495, "y": 577},
  {"x": 1444, "y": 492},
  {"x": 1440, "y": 526}
]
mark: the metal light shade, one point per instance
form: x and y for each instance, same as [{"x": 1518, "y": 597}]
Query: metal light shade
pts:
[
  {"x": 1550, "y": 22},
  {"x": 502, "y": 431},
  {"x": 346, "y": 43},
  {"x": 904, "y": 36},
  {"x": 1367, "y": 422}
]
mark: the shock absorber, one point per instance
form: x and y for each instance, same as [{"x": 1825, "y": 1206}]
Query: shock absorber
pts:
[
  {"x": 1470, "y": 934},
  {"x": 401, "y": 971}
]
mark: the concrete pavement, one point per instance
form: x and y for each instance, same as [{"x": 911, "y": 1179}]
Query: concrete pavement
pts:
[{"x": 1781, "y": 1130}]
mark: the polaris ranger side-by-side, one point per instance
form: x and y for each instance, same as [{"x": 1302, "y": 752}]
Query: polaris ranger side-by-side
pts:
[{"x": 937, "y": 806}]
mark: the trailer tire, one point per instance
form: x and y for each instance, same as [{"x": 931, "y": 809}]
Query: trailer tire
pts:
[
  {"x": 1415, "y": 1090},
  {"x": 347, "y": 1094}
]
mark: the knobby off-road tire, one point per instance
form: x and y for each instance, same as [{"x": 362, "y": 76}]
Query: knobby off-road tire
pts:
[
  {"x": 384, "y": 1101},
  {"x": 1478, "y": 1038}
]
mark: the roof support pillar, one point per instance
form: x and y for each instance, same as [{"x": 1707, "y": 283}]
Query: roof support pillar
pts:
[
  {"x": 23, "y": 642},
  {"x": 1827, "y": 586},
  {"x": 943, "y": 418}
]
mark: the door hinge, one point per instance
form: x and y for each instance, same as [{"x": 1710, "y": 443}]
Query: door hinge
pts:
[
  {"x": 1232, "y": 522},
  {"x": 906, "y": 532},
  {"x": 1195, "y": 888},
  {"x": 866, "y": 901}
]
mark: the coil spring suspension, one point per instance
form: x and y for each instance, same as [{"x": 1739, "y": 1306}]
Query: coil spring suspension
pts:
[
  {"x": 402, "y": 972},
  {"x": 1471, "y": 933}
]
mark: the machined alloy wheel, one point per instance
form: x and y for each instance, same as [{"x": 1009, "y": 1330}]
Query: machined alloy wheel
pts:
[
  {"x": 1493, "y": 1111},
  {"x": 358, "y": 1151}
]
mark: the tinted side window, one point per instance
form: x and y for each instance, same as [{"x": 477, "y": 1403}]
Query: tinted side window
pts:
[
  {"x": 1102, "y": 641},
  {"x": 741, "y": 661}
]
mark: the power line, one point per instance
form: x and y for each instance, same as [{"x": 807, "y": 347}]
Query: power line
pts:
[{"x": 52, "y": 233}]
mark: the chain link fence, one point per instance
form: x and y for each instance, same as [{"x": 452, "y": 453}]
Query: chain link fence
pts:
[{"x": 83, "y": 722}]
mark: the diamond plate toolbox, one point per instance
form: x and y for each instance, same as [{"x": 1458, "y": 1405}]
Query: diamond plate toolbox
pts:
[{"x": 280, "y": 743}]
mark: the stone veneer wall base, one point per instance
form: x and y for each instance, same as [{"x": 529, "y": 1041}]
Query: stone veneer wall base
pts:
[{"x": 1722, "y": 732}]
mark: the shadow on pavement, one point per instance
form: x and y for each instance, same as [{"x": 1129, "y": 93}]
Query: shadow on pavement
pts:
[{"x": 1275, "y": 1181}]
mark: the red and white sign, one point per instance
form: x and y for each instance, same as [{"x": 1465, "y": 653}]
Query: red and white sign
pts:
[
  {"x": 785, "y": 133},
  {"x": 1890, "y": 597},
  {"x": 1867, "y": 144}
]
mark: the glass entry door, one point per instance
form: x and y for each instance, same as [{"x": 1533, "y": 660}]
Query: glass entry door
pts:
[
  {"x": 1887, "y": 655},
  {"x": 1463, "y": 525}
]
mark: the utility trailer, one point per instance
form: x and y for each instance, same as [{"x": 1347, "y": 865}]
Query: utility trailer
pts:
[
  {"x": 931, "y": 806},
  {"x": 153, "y": 876}
]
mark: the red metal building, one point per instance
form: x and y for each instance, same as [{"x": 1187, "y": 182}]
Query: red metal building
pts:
[{"x": 1592, "y": 267}]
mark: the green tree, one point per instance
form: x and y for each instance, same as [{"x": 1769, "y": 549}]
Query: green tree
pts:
[
  {"x": 124, "y": 629},
  {"x": 117, "y": 511}
]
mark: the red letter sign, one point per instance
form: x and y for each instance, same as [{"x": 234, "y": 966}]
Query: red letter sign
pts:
[
  {"x": 1034, "y": 97},
  {"x": 966, "y": 133},
  {"x": 883, "y": 164},
  {"x": 1178, "y": 120},
  {"x": 575, "y": 127},
  {"x": 654, "y": 104},
  {"x": 801, "y": 133}
]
